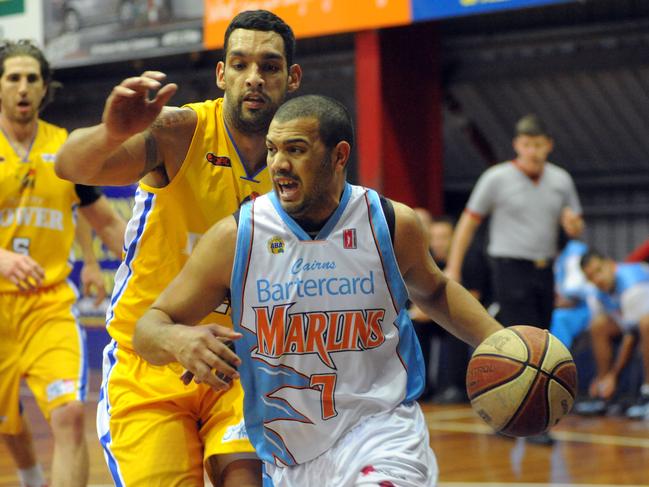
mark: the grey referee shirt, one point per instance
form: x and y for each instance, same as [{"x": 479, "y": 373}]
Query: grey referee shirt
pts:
[{"x": 525, "y": 214}]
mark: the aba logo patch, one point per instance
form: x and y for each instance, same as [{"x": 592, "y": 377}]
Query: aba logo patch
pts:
[
  {"x": 276, "y": 245},
  {"x": 218, "y": 160},
  {"x": 349, "y": 238},
  {"x": 60, "y": 388}
]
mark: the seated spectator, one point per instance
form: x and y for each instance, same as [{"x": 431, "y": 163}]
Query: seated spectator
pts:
[
  {"x": 572, "y": 312},
  {"x": 622, "y": 311}
]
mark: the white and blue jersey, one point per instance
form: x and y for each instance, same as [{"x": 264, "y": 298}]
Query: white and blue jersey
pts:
[
  {"x": 629, "y": 300},
  {"x": 326, "y": 336},
  {"x": 570, "y": 281}
]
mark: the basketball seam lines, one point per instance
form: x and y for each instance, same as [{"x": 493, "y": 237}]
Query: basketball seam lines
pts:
[{"x": 532, "y": 383}]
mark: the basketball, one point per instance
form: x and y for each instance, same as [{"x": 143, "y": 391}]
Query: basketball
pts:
[{"x": 521, "y": 381}]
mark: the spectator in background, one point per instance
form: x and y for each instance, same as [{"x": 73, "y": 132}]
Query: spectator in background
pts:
[
  {"x": 449, "y": 359},
  {"x": 623, "y": 301},
  {"x": 572, "y": 312},
  {"x": 529, "y": 199}
]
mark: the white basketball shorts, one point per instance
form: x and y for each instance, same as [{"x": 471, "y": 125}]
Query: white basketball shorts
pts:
[{"x": 387, "y": 450}]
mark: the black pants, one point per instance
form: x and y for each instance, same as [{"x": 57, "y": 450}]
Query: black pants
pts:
[{"x": 524, "y": 290}]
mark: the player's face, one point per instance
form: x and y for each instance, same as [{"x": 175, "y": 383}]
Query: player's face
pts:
[
  {"x": 21, "y": 89},
  {"x": 302, "y": 169},
  {"x": 255, "y": 78},
  {"x": 532, "y": 152},
  {"x": 600, "y": 272}
]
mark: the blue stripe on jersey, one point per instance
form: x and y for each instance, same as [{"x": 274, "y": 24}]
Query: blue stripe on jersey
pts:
[
  {"x": 125, "y": 267},
  {"x": 267, "y": 378},
  {"x": 333, "y": 219},
  {"x": 103, "y": 414},
  {"x": 83, "y": 366},
  {"x": 408, "y": 349},
  {"x": 382, "y": 232},
  {"x": 326, "y": 229},
  {"x": 242, "y": 253},
  {"x": 83, "y": 349},
  {"x": 248, "y": 177},
  {"x": 292, "y": 225}
]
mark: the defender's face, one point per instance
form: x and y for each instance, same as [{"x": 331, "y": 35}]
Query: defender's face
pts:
[
  {"x": 532, "y": 152},
  {"x": 255, "y": 78},
  {"x": 22, "y": 89},
  {"x": 601, "y": 272},
  {"x": 301, "y": 168}
]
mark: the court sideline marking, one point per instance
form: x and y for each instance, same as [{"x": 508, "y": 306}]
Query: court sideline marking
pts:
[{"x": 440, "y": 421}]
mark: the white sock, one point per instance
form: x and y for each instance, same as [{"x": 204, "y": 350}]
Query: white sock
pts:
[{"x": 32, "y": 477}]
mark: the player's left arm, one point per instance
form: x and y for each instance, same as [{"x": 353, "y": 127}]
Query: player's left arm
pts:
[
  {"x": 92, "y": 280},
  {"x": 165, "y": 333},
  {"x": 107, "y": 223},
  {"x": 443, "y": 299}
]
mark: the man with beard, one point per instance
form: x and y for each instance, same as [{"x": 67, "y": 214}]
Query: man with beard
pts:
[
  {"x": 319, "y": 272},
  {"x": 197, "y": 164}
]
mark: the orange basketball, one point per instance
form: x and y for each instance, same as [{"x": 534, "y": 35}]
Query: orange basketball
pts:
[{"x": 521, "y": 381}]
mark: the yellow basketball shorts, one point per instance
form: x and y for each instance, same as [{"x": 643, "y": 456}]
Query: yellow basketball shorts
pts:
[
  {"x": 41, "y": 341},
  {"x": 156, "y": 431}
]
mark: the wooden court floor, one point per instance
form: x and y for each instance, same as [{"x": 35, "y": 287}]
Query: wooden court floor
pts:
[{"x": 589, "y": 452}]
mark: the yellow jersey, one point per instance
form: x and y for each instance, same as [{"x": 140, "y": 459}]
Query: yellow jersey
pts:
[
  {"x": 37, "y": 208},
  {"x": 167, "y": 222}
]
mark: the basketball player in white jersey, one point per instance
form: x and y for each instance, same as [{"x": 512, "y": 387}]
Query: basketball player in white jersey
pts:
[{"x": 319, "y": 273}]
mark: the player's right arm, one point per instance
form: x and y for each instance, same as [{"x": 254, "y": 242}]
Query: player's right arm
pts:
[
  {"x": 136, "y": 136},
  {"x": 165, "y": 333},
  {"x": 444, "y": 300}
]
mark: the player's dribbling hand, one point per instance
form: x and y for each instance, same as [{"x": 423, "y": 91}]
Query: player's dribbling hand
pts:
[
  {"x": 129, "y": 109},
  {"x": 206, "y": 353}
]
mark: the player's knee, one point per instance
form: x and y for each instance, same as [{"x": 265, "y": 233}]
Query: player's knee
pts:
[{"x": 68, "y": 421}]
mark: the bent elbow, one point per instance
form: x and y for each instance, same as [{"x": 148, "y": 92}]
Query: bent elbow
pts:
[{"x": 60, "y": 169}]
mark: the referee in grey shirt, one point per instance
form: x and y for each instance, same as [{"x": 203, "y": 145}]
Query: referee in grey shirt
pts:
[{"x": 528, "y": 199}]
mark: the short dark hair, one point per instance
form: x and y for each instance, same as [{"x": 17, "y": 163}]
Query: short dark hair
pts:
[
  {"x": 531, "y": 125},
  {"x": 25, "y": 47},
  {"x": 590, "y": 255},
  {"x": 335, "y": 123},
  {"x": 265, "y": 21}
]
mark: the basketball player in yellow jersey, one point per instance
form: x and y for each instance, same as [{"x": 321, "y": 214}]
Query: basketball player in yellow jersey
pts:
[
  {"x": 196, "y": 164},
  {"x": 40, "y": 339}
]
